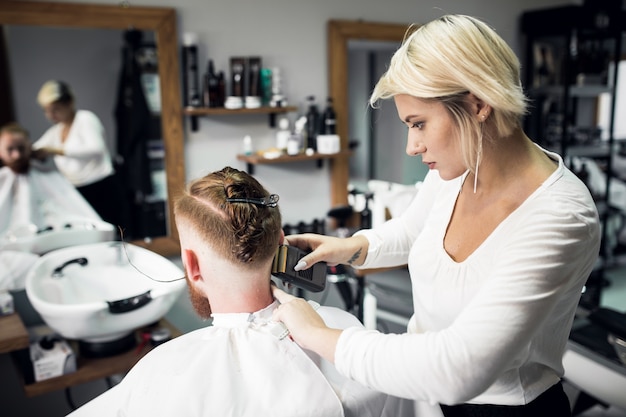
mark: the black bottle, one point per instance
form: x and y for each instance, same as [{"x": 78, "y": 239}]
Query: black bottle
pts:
[
  {"x": 212, "y": 86},
  {"x": 329, "y": 119},
  {"x": 209, "y": 87},
  {"x": 191, "y": 91},
  {"x": 221, "y": 90},
  {"x": 366, "y": 213},
  {"x": 312, "y": 123}
]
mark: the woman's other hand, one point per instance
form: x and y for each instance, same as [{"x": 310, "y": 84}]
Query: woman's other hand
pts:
[{"x": 305, "y": 326}]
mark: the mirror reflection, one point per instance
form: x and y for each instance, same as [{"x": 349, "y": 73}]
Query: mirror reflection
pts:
[
  {"x": 380, "y": 153},
  {"x": 114, "y": 75}
]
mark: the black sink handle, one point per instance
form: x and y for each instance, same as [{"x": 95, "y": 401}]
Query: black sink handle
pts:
[
  {"x": 58, "y": 271},
  {"x": 129, "y": 304}
]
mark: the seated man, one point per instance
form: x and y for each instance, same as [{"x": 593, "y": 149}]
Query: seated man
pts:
[
  {"x": 33, "y": 192},
  {"x": 33, "y": 195},
  {"x": 244, "y": 364}
]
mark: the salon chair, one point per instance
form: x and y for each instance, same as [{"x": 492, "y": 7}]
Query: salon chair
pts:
[{"x": 592, "y": 362}]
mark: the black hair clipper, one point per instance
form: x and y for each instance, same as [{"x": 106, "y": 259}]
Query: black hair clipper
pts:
[{"x": 311, "y": 279}]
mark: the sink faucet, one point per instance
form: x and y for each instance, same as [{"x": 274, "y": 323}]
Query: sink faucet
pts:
[
  {"x": 58, "y": 271},
  {"x": 120, "y": 259}
]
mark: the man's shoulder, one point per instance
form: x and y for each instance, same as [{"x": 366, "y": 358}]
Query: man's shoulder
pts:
[{"x": 337, "y": 318}]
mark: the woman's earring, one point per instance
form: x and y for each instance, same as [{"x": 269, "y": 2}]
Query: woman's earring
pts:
[{"x": 479, "y": 154}]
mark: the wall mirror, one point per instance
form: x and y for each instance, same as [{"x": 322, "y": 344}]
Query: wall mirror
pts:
[
  {"x": 344, "y": 38},
  {"x": 160, "y": 24}
]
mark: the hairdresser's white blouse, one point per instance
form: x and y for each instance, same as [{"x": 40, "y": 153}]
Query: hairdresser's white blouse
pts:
[
  {"x": 490, "y": 329},
  {"x": 239, "y": 367},
  {"x": 87, "y": 159}
]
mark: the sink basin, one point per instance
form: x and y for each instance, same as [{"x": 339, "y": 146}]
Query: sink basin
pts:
[
  {"x": 71, "y": 232},
  {"x": 92, "y": 293}
]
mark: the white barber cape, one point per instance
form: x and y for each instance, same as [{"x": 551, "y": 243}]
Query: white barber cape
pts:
[
  {"x": 242, "y": 365},
  {"x": 40, "y": 198}
]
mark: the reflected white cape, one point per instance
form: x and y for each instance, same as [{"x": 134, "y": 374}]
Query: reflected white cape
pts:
[{"x": 31, "y": 202}]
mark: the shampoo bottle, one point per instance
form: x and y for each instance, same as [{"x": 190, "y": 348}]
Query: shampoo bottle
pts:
[
  {"x": 247, "y": 145},
  {"x": 282, "y": 135},
  {"x": 190, "y": 67},
  {"x": 329, "y": 118},
  {"x": 312, "y": 124}
]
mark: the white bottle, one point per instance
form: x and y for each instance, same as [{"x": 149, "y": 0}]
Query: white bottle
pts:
[
  {"x": 370, "y": 310},
  {"x": 247, "y": 145},
  {"x": 282, "y": 135}
]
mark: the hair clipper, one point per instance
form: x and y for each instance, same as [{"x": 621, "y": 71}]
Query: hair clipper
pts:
[{"x": 311, "y": 279}]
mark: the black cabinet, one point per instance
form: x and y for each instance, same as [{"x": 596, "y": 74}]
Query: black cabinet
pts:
[{"x": 570, "y": 75}]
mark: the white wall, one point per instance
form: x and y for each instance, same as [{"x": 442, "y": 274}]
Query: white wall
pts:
[{"x": 292, "y": 36}]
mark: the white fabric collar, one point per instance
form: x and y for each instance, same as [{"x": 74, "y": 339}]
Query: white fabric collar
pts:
[{"x": 261, "y": 320}]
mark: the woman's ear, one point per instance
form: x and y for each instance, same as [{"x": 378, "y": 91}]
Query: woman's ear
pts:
[
  {"x": 479, "y": 108},
  {"x": 191, "y": 264},
  {"x": 281, "y": 239}
]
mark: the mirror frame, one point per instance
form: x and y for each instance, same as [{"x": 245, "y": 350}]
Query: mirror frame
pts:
[
  {"x": 163, "y": 22},
  {"x": 339, "y": 33}
]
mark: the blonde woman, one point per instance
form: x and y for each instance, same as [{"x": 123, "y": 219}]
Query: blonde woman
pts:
[
  {"x": 499, "y": 240},
  {"x": 76, "y": 141}
]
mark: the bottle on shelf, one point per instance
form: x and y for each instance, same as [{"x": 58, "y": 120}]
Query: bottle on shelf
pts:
[
  {"x": 329, "y": 118},
  {"x": 221, "y": 89},
  {"x": 312, "y": 123},
  {"x": 210, "y": 89},
  {"x": 248, "y": 149},
  {"x": 282, "y": 134},
  {"x": 190, "y": 71}
]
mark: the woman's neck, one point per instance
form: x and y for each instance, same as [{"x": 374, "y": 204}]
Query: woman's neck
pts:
[{"x": 509, "y": 160}]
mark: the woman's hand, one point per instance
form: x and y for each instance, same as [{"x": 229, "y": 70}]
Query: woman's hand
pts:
[
  {"x": 43, "y": 153},
  {"x": 330, "y": 249},
  {"x": 305, "y": 326}
]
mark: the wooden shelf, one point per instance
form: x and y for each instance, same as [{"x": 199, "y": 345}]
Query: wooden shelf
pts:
[
  {"x": 195, "y": 112},
  {"x": 256, "y": 159},
  {"x": 220, "y": 111},
  {"x": 13, "y": 334},
  {"x": 87, "y": 369}
]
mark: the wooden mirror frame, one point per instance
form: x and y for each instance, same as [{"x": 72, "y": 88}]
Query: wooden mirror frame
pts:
[
  {"x": 339, "y": 32},
  {"x": 163, "y": 22}
]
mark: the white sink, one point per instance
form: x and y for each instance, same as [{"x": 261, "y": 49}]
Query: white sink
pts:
[
  {"x": 71, "y": 232},
  {"x": 96, "y": 295}
]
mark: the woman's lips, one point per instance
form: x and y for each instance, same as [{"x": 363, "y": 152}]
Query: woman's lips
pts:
[{"x": 431, "y": 165}]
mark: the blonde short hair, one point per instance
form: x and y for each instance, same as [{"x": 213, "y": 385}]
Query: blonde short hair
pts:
[
  {"x": 449, "y": 57},
  {"x": 54, "y": 91}
]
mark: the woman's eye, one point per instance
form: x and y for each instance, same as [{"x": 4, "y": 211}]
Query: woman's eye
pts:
[{"x": 417, "y": 125}]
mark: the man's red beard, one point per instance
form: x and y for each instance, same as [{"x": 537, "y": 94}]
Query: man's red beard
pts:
[
  {"x": 199, "y": 302},
  {"x": 20, "y": 166}
]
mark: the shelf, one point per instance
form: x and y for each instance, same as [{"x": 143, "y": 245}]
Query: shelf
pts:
[
  {"x": 574, "y": 90},
  {"x": 600, "y": 150},
  {"x": 220, "y": 111},
  {"x": 13, "y": 334},
  {"x": 252, "y": 160},
  {"x": 195, "y": 112},
  {"x": 87, "y": 369}
]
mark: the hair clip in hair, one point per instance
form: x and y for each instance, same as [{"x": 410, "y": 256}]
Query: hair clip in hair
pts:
[{"x": 269, "y": 201}]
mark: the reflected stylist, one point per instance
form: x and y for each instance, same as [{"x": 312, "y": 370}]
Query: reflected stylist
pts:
[
  {"x": 499, "y": 240},
  {"x": 77, "y": 143}
]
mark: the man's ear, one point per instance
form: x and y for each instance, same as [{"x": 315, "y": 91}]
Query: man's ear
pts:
[{"x": 191, "y": 264}]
